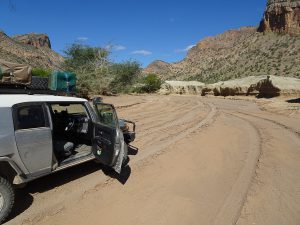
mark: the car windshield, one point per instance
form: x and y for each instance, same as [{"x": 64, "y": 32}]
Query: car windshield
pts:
[{"x": 74, "y": 108}]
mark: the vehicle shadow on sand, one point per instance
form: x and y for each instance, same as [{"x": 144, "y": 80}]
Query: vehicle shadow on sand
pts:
[
  {"x": 296, "y": 100},
  {"x": 126, "y": 171},
  {"x": 24, "y": 197}
]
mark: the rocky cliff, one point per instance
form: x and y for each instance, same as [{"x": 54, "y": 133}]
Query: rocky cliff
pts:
[
  {"x": 247, "y": 51},
  {"x": 234, "y": 54},
  {"x": 37, "y": 40},
  {"x": 31, "y": 49},
  {"x": 282, "y": 16}
]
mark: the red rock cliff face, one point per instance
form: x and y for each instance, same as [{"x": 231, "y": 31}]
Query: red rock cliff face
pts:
[
  {"x": 30, "y": 49},
  {"x": 37, "y": 40},
  {"x": 282, "y": 16}
]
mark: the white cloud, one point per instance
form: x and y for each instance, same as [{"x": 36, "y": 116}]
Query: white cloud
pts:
[
  {"x": 141, "y": 52},
  {"x": 185, "y": 49},
  {"x": 115, "y": 47},
  {"x": 82, "y": 38},
  {"x": 119, "y": 47},
  {"x": 108, "y": 47}
]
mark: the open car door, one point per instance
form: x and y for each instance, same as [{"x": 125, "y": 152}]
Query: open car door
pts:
[{"x": 107, "y": 141}]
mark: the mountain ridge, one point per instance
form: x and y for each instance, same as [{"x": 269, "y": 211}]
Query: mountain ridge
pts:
[
  {"x": 273, "y": 48},
  {"x": 31, "y": 49}
]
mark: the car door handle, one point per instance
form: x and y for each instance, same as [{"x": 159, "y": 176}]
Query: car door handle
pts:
[{"x": 101, "y": 140}]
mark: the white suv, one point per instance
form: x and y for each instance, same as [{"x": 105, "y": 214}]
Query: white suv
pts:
[{"x": 43, "y": 134}]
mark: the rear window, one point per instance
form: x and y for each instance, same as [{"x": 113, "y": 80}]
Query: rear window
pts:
[{"x": 29, "y": 116}]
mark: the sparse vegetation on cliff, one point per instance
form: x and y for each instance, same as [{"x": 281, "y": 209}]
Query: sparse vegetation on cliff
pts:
[{"x": 236, "y": 54}]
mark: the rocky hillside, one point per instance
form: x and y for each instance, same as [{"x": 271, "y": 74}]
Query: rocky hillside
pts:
[
  {"x": 31, "y": 49},
  {"x": 270, "y": 50}
]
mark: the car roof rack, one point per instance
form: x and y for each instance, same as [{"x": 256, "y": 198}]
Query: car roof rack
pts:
[
  {"x": 26, "y": 91},
  {"x": 7, "y": 89}
]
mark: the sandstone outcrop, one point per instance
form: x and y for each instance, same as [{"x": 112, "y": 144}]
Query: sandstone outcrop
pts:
[
  {"x": 272, "y": 86},
  {"x": 37, "y": 40},
  {"x": 34, "y": 51},
  {"x": 282, "y": 16},
  {"x": 182, "y": 87},
  {"x": 261, "y": 86}
]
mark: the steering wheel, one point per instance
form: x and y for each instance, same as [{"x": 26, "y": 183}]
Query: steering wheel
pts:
[{"x": 70, "y": 125}]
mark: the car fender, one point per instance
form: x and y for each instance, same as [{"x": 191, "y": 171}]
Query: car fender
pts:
[{"x": 15, "y": 177}]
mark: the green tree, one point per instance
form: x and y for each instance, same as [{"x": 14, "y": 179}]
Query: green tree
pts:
[
  {"x": 91, "y": 66},
  {"x": 124, "y": 76},
  {"x": 91, "y": 58},
  {"x": 96, "y": 74}
]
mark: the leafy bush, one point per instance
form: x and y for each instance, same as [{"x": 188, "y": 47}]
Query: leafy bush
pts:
[
  {"x": 149, "y": 84},
  {"x": 124, "y": 76},
  {"x": 39, "y": 72}
]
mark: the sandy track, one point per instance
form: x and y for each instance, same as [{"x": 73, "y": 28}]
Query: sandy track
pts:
[
  {"x": 274, "y": 197},
  {"x": 200, "y": 161}
]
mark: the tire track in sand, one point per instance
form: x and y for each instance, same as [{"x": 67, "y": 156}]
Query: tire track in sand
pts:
[
  {"x": 273, "y": 196},
  {"x": 231, "y": 209},
  {"x": 159, "y": 148}
]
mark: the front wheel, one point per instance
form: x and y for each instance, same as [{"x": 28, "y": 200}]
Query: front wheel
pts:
[{"x": 7, "y": 198}]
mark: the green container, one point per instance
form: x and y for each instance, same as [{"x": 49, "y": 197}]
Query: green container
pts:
[{"x": 63, "y": 81}]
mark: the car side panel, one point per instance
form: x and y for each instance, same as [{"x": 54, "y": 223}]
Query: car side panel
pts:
[
  {"x": 7, "y": 135},
  {"x": 8, "y": 147},
  {"x": 35, "y": 149}
]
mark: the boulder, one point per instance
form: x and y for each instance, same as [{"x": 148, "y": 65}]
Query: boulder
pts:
[{"x": 272, "y": 86}]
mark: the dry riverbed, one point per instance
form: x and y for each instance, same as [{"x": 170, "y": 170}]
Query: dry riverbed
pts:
[{"x": 199, "y": 160}]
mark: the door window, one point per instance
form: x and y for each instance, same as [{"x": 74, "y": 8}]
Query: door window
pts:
[
  {"x": 29, "y": 116},
  {"x": 107, "y": 115}
]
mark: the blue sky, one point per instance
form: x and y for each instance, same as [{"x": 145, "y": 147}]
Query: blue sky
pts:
[{"x": 141, "y": 30}]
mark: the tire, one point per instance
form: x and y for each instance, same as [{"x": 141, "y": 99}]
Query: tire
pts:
[{"x": 7, "y": 199}]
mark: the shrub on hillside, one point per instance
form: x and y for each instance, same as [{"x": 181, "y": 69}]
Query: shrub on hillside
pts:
[{"x": 39, "y": 72}]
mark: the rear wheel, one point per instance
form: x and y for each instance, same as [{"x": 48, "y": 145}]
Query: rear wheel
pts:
[{"x": 7, "y": 198}]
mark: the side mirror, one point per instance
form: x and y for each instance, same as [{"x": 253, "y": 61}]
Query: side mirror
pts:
[
  {"x": 97, "y": 100},
  {"x": 129, "y": 136},
  {"x": 124, "y": 125}
]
